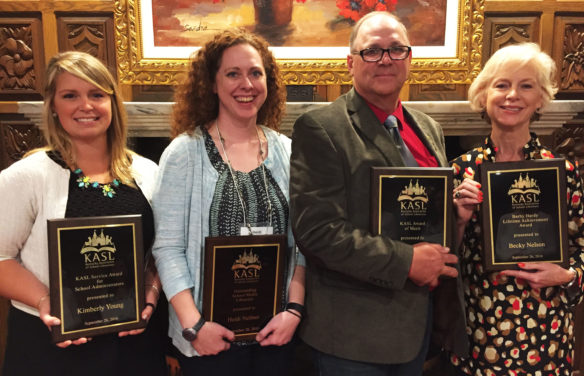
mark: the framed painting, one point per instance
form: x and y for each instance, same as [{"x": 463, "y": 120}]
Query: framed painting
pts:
[{"x": 309, "y": 38}]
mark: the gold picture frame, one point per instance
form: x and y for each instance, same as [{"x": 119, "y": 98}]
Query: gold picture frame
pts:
[{"x": 458, "y": 65}]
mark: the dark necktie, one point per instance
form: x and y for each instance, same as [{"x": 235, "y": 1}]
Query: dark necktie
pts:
[{"x": 391, "y": 124}]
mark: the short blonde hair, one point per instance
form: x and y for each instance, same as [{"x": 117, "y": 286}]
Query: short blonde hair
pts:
[
  {"x": 90, "y": 69},
  {"x": 515, "y": 56}
]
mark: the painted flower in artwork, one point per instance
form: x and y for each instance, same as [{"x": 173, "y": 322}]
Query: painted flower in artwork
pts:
[{"x": 355, "y": 9}]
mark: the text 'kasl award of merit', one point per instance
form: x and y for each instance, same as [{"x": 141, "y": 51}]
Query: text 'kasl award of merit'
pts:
[
  {"x": 524, "y": 213},
  {"x": 96, "y": 273},
  {"x": 243, "y": 283},
  {"x": 412, "y": 205}
]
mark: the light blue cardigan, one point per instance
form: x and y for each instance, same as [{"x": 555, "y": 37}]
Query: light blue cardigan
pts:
[{"x": 181, "y": 203}]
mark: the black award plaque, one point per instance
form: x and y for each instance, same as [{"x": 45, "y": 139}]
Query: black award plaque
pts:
[
  {"x": 524, "y": 213},
  {"x": 96, "y": 275},
  {"x": 412, "y": 205},
  {"x": 243, "y": 282}
]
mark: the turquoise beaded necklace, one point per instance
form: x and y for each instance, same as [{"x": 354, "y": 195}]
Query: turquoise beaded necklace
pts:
[{"x": 107, "y": 189}]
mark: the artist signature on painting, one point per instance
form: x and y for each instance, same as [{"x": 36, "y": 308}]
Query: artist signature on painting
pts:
[{"x": 199, "y": 27}]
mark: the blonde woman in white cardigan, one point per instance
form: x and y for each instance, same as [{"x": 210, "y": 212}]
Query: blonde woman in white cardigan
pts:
[{"x": 86, "y": 170}]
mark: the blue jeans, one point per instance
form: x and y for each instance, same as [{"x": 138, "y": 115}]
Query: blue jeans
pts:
[{"x": 329, "y": 365}]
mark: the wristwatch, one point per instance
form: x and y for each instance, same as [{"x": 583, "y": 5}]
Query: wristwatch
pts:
[{"x": 190, "y": 334}]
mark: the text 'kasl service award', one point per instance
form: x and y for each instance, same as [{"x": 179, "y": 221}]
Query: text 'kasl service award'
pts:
[{"x": 96, "y": 275}]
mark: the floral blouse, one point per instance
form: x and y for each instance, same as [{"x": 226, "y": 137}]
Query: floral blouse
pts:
[{"x": 514, "y": 329}]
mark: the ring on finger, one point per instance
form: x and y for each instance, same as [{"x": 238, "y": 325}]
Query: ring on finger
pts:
[{"x": 457, "y": 194}]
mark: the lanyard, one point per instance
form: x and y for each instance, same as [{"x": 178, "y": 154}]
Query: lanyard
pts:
[{"x": 236, "y": 182}]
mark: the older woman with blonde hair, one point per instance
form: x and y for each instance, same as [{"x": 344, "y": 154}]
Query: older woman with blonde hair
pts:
[
  {"x": 86, "y": 170},
  {"x": 520, "y": 322}
]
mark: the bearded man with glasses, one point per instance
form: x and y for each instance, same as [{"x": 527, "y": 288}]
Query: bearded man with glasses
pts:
[{"x": 368, "y": 297}]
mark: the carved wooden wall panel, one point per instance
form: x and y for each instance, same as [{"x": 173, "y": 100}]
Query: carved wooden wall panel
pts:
[
  {"x": 569, "y": 141},
  {"x": 569, "y": 53},
  {"x": 93, "y": 35},
  {"x": 21, "y": 58},
  {"x": 16, "y": 138},
  {"x": 444, "y": 92},
  {"x": 152, "y": 93},
  {"x": 501, "y": 31}
]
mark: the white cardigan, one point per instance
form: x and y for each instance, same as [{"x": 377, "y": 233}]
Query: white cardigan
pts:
[{"x": 33, "y": 190}]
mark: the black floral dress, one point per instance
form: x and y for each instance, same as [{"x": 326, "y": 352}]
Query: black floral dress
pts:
[{"x": 514, "y": 329}]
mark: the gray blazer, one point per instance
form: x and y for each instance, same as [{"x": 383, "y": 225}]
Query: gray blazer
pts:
[{"x": 360, "y": 303}]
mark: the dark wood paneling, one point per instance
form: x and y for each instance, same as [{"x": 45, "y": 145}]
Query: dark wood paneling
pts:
[
  {"x": 502, "y": 30},
  {"x": 300, "y": 93},
  {"x": 21, "y": 58},
  {"x": 91, "y": 34},
  {"x": 152, "y": 93},
  {"x": 444, "y": 92},
  {"x": 569, "y": 53},
  {"x": 16, "y": 138}
]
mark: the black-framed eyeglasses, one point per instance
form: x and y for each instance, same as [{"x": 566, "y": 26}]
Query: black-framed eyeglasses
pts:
[{"x": 375, "y": 54}]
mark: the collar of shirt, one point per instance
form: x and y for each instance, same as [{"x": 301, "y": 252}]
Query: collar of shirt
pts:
[
  {"x": 411, "y": 139},
  {"x": 382, "y": 115}
]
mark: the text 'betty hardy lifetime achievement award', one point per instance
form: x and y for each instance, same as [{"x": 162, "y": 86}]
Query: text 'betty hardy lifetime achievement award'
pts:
[
  {"x": 412, "y": 205},
  {"x": 96, "y": 274},
  {"x": 243, "y": 282},
  {"x": 524, "y": 213}
]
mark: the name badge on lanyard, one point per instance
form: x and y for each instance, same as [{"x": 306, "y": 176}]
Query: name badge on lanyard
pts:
[{"x": 256, "y": 230}]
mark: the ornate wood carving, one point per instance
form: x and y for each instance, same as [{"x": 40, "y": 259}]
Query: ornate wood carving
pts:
[
  {"x": 21, "y": 58},
  {"x": 17, "y": 137},
  {"x": 152, "y": 93},
  {"x": 16, "y": 58},
  {"x": 93, "y": 35},
  {"x": 87, "y": 38},
  {"x": 572, "y": 71},
  {"x": 300, "y": 93},
  {"x": 569, "y": 141},
  {"x": 444, "y": 92},
  {"x": 513, "y": 33},
  {"x": 501, "y": 31}
]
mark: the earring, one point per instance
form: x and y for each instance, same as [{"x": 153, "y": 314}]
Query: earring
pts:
[{"x": 54, "y": 114}]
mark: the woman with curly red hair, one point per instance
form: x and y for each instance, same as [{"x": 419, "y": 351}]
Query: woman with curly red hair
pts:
[{"x": 226, "y": 172}]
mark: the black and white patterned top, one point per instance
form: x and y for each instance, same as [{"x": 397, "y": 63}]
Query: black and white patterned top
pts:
[{"x": 226, "y": 216}]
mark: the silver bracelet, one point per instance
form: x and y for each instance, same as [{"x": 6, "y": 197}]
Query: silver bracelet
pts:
[{"x": 571, "y": 283}]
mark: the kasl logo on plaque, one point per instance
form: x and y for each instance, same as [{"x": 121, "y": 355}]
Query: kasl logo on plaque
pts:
[
  {"x": 247, "y": 267},
  {"x": 413, "y": 199},
  {"x": 524, "y": 193},
  {"x": 98, "y": 251}
]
